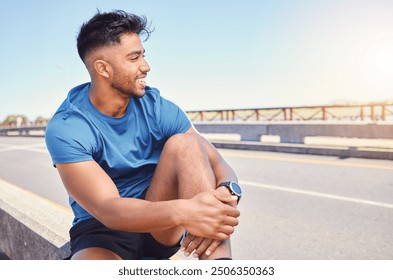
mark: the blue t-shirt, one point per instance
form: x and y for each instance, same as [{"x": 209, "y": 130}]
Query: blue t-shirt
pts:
[{"x": 127, "y": 148}]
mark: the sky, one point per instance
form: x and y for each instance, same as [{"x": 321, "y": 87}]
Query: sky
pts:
[{"x": 208, "y": 54}]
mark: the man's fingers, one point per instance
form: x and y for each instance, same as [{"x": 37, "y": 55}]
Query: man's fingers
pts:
[
  {"x": 213, "y": 219},
  {"x": 212, "y": 247},
  {"x": 229, "y": 201},
  {"x": 231, "y": 211},
  {"x": 231, "y": 221},
  {"x": 227, "y": 229},
  {"x": 199, "y": 246},
  {"x": 224, "y": 197},
  {"x": 187, "y": 241},
  {"x": 194, "y": 244},
  {"x": 222, "y": 236},
  {"x": 202, "y": 247}
]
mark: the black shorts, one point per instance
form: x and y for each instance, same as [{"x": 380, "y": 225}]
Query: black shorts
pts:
[{"x": 128, "y": 245}]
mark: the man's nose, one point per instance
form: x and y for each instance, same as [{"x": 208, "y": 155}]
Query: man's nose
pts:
[{"x": 144, "y": 66}]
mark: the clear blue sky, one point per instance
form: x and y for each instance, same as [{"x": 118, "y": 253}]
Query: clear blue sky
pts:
[{"x": 209, "y": 54}]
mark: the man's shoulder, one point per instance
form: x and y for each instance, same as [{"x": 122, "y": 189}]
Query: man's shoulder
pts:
[
  {"x": 69, "y": 124},
  {"x": 69, "y": 109},
  {"x": 65, "y": 116}
]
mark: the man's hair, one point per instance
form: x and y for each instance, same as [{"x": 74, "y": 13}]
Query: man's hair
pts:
[{"x": 105, "y": 29}]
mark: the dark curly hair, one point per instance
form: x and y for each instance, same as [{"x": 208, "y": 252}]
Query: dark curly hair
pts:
[{"x": 105, "y": 29}]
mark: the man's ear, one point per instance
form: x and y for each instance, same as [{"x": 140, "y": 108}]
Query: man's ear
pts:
[{"x": 102, "y": 68}]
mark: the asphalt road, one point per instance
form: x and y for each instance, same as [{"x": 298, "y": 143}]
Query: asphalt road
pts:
[{"x": 295, "y": 207}]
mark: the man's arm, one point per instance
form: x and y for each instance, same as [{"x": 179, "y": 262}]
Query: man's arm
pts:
[{"x": 94, "y": 190}]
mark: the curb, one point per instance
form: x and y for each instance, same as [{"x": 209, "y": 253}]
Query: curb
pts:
[
  {"x": 32, "y": 228},
  {"x": 341, "y": 152}
]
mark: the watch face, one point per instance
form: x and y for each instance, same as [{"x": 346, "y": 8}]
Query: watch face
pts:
[{"x": 236, "y": 188}]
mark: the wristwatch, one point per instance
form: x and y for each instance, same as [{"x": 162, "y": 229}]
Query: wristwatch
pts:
[{"x": 233, "y": 188}]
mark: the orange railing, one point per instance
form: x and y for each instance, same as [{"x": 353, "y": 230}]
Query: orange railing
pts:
[{"x": 358, "y": 112}]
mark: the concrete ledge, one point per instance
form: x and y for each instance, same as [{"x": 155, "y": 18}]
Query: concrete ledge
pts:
[
  {"x": 32, "y": 228},
  {"x": 342, "y": 152},
  {"x": 295, "y": 132}
]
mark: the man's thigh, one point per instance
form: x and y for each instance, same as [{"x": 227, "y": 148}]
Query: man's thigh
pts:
[
  {"x": 90, "y": 239},
  {"x": 95, "y": 253}
]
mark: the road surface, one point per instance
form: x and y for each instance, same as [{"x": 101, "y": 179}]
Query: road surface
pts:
[{"x": 295, "y": 207}]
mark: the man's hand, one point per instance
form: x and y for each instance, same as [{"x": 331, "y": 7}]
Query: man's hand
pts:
[
  {"x": 208, "y": 215},
  {"x": 225, "y": 190},
  {"x": 200, "y": 245}
]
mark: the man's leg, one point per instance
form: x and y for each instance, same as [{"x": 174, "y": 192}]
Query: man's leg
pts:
[
  {"x": 95, "y": 253},
  {"x": 183, "y": 171}
]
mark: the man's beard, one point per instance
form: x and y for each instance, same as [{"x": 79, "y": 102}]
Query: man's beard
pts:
[{"x": 125, "y": 88}]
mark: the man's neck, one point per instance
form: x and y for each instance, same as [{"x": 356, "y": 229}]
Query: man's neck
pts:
[{"x": 107, "y": 102}]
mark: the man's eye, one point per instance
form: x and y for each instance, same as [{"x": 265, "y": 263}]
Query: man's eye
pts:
[{"x": 135, "y": 58}]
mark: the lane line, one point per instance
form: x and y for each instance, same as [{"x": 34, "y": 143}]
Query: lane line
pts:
[
  {"x": 318, "y": 194},
  {"x": 25, "y": 149},
  {"x": 28, "y": 145},
  {"x": 40, "y": 148},
  {"x": 307, "y": 161}
]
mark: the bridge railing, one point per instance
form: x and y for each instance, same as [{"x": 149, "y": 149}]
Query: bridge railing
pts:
[
  {"x": 290, "y": 124},
  {"x": 358, "y": 112}
]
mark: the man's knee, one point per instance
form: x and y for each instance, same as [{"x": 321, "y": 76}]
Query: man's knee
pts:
[{"x": 184, "y": 142}]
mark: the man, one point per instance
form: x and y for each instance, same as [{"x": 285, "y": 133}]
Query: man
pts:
[{"x": 138, "y": 174}]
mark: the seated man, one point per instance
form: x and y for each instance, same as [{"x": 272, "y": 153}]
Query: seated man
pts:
[{"x": 138, "y": 173}]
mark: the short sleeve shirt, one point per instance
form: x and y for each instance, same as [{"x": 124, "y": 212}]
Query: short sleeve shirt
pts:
[{"x": 127, "y": 148}]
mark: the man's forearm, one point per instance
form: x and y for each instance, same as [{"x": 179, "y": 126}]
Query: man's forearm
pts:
[
  {"x": 223, "y": 172},
  {"x": 208, "y": 215},
  {"x": 136, "y": 215}
]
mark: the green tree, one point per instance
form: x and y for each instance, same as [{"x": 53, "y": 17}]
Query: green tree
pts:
[
  {"x": 41, "y": 120},
  {"x": 13, "y": 120}
]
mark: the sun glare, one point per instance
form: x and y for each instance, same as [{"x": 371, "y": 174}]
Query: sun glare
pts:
[
  {"x": 375, "y": 63},
  {"x": 384, "y": 61}
]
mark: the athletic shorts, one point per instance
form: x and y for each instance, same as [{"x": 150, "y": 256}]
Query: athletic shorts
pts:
[{"x": 128, "y": 245}]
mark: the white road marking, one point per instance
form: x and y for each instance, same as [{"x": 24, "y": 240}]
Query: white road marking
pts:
[
  {"x": 318, "y": 194},
  {"x": 40, "y": 148}
]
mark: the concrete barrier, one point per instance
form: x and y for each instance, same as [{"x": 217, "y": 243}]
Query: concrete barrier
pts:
[
  {"x": 32, "y": 228},
  {"x": 297, "y": 132},
  {"x": 289, "y": 132},
  {"x": 23, "y": 131}
]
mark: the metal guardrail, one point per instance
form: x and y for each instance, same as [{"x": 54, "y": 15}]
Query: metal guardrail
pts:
[
  {"x": 358, "y": 112},
  {"x": 292, "y": 124},
  {"x": 382, "y": 111}
]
